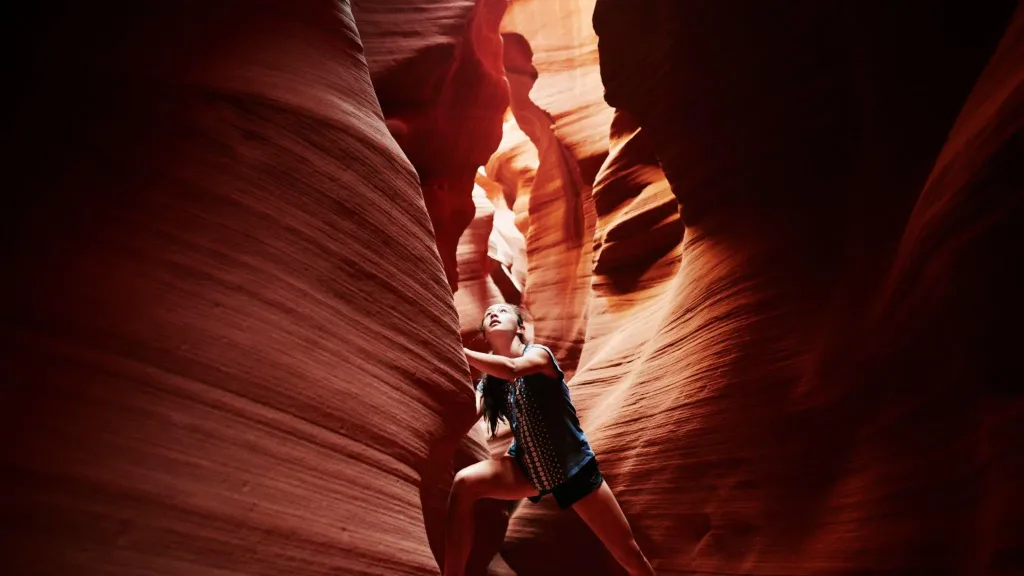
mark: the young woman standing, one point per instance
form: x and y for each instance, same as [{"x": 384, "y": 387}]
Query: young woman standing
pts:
[{"x": 524, "y": 386}]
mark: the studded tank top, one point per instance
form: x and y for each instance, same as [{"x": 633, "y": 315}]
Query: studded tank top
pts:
[{"x": 549, "y": 443}]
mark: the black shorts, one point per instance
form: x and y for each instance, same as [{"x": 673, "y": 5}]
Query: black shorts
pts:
[{"x": 583, "y": 482}]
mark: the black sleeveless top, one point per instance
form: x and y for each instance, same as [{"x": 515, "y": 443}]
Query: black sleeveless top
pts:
[{"x": 549, "y": 443}]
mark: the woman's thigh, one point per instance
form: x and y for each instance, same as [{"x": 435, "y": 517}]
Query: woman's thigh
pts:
[
  {"x": 500, "y": 478},
  {"x": 600, "y": 510}
]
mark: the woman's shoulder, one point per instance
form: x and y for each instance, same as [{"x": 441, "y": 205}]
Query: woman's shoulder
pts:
[
  {"x": 538, "y": 345},
  {"x": 551, "y": 357},
  {"x": 532, "y": 345}
]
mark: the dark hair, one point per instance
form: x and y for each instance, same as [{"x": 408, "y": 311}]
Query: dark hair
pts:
[
  {"x": 494, "y": 387},
  {"x": 494, "y": 402}
]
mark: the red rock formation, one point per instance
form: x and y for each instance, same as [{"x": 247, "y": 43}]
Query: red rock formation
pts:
[
  {"x": 492, "y": 257},
  {"x": 437, "y": 71},
  {"x": 233, "y": 348},
  {"x": 547, "y": 176},
  {"x": 229, "y": 341},
  {"x": 568, "y": 88},
  {"x": 477, "y": 289},
  {"x": 560, "y": 223},
  {"x": 811, "y": 393},
  {"x": 513, "y": 167}
]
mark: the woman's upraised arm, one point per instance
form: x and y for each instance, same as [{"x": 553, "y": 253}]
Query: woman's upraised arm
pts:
[{"x": 535, "y": 361}]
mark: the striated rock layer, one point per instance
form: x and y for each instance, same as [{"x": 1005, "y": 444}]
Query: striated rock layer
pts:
[
  {"x": 559, "y": 218},
  {"x": 437, "y": 71},
  {"x": 814, "y": 382},
  {"x": 553, "y": 139},
  {"x": 778, "y": 281},
  {"x": 230, "y": 344},
  {"x": 568, "y": 85}
]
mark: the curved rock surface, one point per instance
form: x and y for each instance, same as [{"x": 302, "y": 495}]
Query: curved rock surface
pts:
[
  {"x": 564, "y": 53},
  {"x": 551, "y": 149},
  {"x": 492, "y": 256},
  {"x": 437, "y": 71},
  {"x": 558, "y": 221},
  {"x": 231, "y": 346},
  {"x": 818, "y": 385},
  {"x": 778, "y": 272}
]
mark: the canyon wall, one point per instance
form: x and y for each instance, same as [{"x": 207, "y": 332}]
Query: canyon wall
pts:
[
  {"x": 555, "y": 85},
  {"x": 773, "y": 249},
  {"x": 437, "y": 72},
  {"x": 813, "y": 381},
  {"x": 230, "y": 342}
]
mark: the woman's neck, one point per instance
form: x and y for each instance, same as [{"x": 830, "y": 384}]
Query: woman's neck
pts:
[{"x": 510, "y": 349}]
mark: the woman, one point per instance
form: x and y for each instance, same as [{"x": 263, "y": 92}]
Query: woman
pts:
[{"x": 524, "y": 386}]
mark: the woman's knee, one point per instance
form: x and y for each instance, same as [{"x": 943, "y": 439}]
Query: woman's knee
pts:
[{"x": 465, "y": 486}]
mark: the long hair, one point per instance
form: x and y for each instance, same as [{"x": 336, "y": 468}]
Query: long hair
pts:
[{"x": 494, "y": 388}]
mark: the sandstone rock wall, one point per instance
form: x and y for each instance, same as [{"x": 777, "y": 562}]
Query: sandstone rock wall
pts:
[
  {"x": 437, "y": 71},
  {"x": 230, "y": 344},
  {"x": 817, "y": 388},
  {"x": 778, "y": 265}
]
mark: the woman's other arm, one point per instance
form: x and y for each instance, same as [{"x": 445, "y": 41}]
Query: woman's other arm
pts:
[{"x": 535, "y": 361}]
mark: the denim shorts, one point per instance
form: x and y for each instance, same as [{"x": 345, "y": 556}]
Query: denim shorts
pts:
[{"x": 586, "y": 480}]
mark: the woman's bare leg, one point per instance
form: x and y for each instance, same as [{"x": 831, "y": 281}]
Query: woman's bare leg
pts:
[
  {"x": 501, "y": 479},
  {"x": 602, "y": 513}
]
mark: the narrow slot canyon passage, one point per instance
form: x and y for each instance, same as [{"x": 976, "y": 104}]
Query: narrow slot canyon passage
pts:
[{"x": 772, "y": 248}]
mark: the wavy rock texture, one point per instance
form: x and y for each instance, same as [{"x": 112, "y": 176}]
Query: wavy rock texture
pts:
[
  {"x": 476, "y": 287},
  {"x": 560, "y": 222},
  {"x": 552, "y": 145},
  {"x": 813, "y": 381},
  {"x": 437, "y": 68},
  {"x": 492, "y": 256},
  {"x": 231, "y": 340},
  {"x": 513, "y": 167},
  {"x": 564, "y": 53},
  {"x": 437, "y": 71},
  {"x": 231, "y": 347}
]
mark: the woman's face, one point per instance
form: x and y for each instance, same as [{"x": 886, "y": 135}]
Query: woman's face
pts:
[{"x": 500, "y": 318}]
